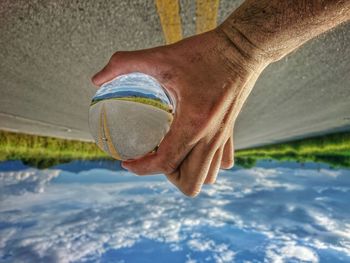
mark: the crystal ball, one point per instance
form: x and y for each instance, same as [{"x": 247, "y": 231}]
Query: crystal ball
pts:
[{"x": 130, "y": 115}]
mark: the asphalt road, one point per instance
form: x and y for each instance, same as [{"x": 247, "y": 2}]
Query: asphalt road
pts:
[
  {"x": 50, "y": 49},
  {"x": 126, "y": 129}
]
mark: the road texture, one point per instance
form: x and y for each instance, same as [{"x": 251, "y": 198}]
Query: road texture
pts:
[
  {"x": 50, "y": 49},
  {"x": 127, "y": 129}
]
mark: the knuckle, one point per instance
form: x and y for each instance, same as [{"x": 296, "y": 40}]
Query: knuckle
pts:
[
  {"x": 219, "y": 137},
  {"x": 212, "y": 144},
  {"x": 209, "y": 150},
  {"x": 167, "y": 162},
  {"x": 168, "y": 167}
]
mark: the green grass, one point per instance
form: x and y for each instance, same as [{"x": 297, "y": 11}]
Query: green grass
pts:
[
  {"x": 43, "y": 152},
  {"x": 332, "y": 149},
  {"x": 155, "y": 103}
]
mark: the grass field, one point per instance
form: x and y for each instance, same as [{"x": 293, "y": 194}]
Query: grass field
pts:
[
  {"x": 155, "y": 103},
  {"x": 332, "y": 149},
  {"x": 43, "y": 152}
]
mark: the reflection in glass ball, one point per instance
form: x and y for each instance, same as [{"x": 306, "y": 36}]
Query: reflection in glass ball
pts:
[{"x": 130, "y": 115}]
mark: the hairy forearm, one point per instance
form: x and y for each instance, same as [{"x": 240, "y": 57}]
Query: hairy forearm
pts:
[{"x": 270, "y": 29}]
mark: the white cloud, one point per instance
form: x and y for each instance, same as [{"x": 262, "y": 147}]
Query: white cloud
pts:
[
  {"x": 21, "y": 182},
  {"x": 200, "y": 245},
  {"x": 290, "y": 251},
  {"x": 273, "y": 210},
  {"x": 220, "y": 252},
  {"x": 299, "y": 252}
]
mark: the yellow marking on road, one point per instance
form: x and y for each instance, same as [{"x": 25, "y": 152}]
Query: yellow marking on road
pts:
[
  {"x": 107, "y": 135},
  {"x": 170, "y": 118},
  {"x": 169, "y": 14},
  {"x": 206, "y": 12}
]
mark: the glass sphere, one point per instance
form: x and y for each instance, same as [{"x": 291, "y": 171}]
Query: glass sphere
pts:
[{"x": 130, "y": 115}]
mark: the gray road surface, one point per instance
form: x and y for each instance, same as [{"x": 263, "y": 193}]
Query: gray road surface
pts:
[
  {"x": 50, "y": 49},
  {"x": 126, "y": 129}
]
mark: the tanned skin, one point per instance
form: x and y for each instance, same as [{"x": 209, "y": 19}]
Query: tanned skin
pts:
[{"x": 211, "y": 76}]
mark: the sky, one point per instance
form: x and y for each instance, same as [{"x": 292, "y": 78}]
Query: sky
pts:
[
  {"x": 263, "y": 214},
  {"x": 139, "y": 82}
]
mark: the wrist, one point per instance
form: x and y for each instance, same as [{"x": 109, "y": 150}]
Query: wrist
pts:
[{"x": 241, "y": 48}]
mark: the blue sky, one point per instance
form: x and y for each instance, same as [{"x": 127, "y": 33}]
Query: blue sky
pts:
[
  {"x": 135, "y": 81},
  {"x": 274, "y": 214}
]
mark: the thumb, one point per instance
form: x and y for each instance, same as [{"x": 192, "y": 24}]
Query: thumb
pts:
[{"x": 120, "y": 63}]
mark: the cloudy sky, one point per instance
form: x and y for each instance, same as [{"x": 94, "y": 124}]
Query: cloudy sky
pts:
[
  {"x": 135, "y": 81},
  {"x": 271, "y": 214}
]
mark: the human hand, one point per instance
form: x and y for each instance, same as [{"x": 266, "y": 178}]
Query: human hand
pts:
[{"x": 210, "y": 78}]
